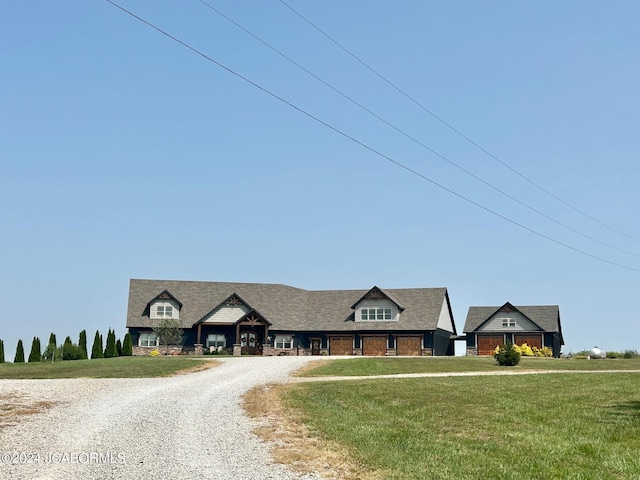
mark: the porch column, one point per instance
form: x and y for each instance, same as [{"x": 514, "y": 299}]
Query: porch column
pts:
[{"x": 199, "y": 331}]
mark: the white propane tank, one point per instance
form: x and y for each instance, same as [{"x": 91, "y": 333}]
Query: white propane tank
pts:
[{"x": 597, "y": 353}]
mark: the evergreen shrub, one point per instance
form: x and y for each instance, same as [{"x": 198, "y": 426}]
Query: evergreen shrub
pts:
[{"x": 507, "y": 356}]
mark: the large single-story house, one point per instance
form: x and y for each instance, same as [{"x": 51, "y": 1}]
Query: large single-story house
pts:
[
  {"x": 273, "y": 319},
  {"x": 537, "y": 326}
]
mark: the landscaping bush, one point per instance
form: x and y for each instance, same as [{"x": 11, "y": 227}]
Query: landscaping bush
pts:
[
  {"x": 542, "y": 352},
  {"x": 52, "y": 352},
  {"x": 71, "y": 351},
  {"x": 507, "y": 356},
  {"x": 630, "y": 354}
]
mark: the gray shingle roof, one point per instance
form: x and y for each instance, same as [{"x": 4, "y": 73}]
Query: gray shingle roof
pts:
[
  {"x": 547, "y": 317},
  {"x": 288, "y": 308}
]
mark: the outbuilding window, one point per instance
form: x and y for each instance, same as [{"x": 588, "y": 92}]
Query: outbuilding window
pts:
[{"x": 508, "y": 322}]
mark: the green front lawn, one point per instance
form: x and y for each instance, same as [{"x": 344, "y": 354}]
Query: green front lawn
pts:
[
  {"x": 120, "y": 367},
  {"x": 570, "y": 426},
  {"x": 395, "y": 365}
]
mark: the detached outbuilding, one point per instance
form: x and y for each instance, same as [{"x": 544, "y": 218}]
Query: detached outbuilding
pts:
[{"x": 537, "y": 326}]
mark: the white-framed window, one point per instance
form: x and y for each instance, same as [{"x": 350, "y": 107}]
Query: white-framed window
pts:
[
  {"x": 368, "y": 314},
  {"x": 216, "y": 340},
  {"x": 284, "y": 341},
  {"x": 148, "y": 339},
  {"x": 164, "y": 311},
  {"x": 508, "y": 322}
]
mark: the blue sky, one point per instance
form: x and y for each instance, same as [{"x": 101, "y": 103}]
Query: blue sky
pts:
[{"x": 126, "y": 155}]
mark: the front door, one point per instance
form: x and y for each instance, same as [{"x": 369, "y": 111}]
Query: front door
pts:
[
  {"x": 315, "y": 346},
  {"x": 250, "y": 343}
]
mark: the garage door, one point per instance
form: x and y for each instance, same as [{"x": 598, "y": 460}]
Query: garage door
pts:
[
  {"x": 409, "y": 345},
  {"x": 531, "y": 340},
  {"x": 341, "y": 346},
  {"x": 374, "y": 346},
  {"x": 487, "y": 343}
]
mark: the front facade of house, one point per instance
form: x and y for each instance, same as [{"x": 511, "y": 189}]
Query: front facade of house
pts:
[
  {"x": 537, "y": 326},
  {"x": 272, "y": 319}
]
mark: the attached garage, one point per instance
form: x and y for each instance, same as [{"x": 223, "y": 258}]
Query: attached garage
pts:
[
  {"x": 341, "y": 345},
  {"x": 487, "y": 343},
  {"x": 374, "y": 345},
  {"x": 409, "y": 345},
  {"x": 530, "y": 339}
]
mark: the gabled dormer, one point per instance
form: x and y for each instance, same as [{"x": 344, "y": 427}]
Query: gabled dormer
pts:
[
  {"x": 509, "y": 318},
  {"x": 164, "y": 305},
  {"x": 377, "y": 306},
  {"x": 227, "y": 312}
]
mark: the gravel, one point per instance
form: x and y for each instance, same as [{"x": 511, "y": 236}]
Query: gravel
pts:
[{"x": 184, "y": 427}]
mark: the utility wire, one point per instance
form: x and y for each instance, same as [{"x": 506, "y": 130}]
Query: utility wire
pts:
[
  {"x": 402, "y": 132},
  {"x": 455, "y": 130},
  {"x": 364, "y": 145}
]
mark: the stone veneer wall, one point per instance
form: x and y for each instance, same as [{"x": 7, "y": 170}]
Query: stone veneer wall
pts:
[
  {"x": 472, "y": 350},
  {"x": 173, "y": 350},
  {"x": 273, "y": 351}
]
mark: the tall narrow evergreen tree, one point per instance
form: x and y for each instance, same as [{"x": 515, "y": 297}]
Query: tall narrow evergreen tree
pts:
[
  {"x": 110, "y": 350},
  {"x": 1, "y": 351},
  {"x": 19, "y": 358},
  {"x": 36, "y": 351},
  {"x": 52, "y": 340},
  {"x": 96, "y": 350},
  {"x": 127, "y": 346},
  {"x": 119, "y": 347},
  {"x": 82, "y": 342}
]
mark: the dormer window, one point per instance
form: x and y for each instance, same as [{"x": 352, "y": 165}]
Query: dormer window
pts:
[
  {"x": 508, "y": 322},
  {"x": 165, "y": 309},
  {"x": 164, "y": 305},
  {"x": 369, "y": 314}
]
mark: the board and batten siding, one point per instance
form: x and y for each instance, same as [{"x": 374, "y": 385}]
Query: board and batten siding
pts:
[
  {"x": 377, "y": 303},
  {"x": 226, "y": 314},
  {"x": 523, "y": 324},
  {"x": 153, "y": 309}
]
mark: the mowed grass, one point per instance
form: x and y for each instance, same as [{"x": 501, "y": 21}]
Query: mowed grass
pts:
[
  {"x": 120, "y": 367},
  {"x": 569, "y": 426},
  {"x": 394, "y": 365}
]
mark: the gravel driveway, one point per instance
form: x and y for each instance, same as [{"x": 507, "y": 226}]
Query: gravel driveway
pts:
[{"x": 183, "y": 427}]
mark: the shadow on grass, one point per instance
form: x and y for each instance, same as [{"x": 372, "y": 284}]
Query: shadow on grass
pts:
[{"x": 627, "y": 409}]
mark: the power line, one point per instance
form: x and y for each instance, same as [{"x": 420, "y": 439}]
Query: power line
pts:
[
  {"x": 455, "y": 130},
  {"x": 364, "y": 145},
  {"x": 402, "y": 132}
]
